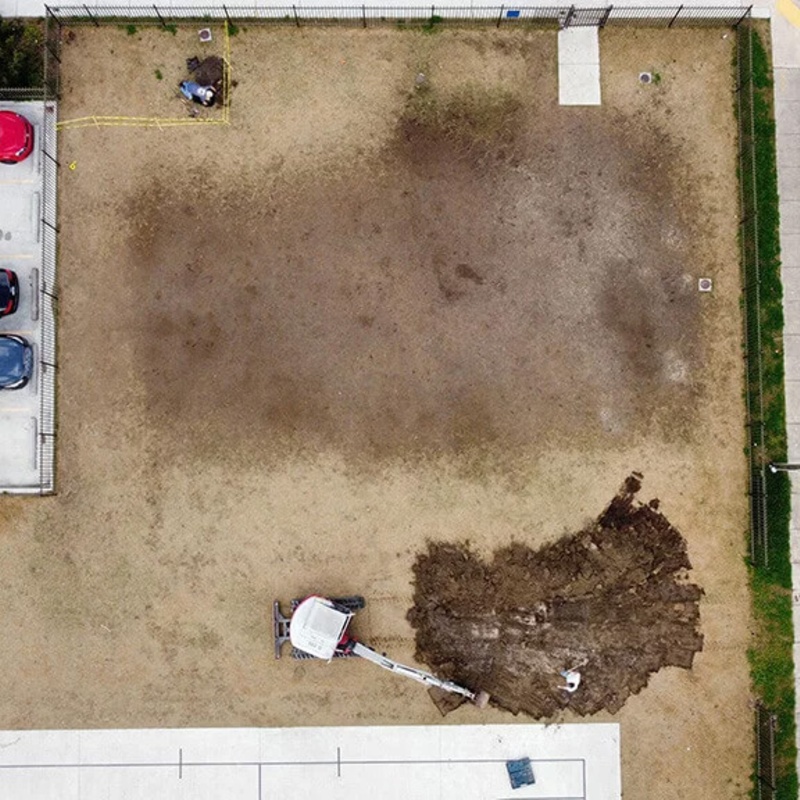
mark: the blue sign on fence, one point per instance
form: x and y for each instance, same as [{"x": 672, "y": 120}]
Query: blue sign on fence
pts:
[{"x": 512, "y": 13}]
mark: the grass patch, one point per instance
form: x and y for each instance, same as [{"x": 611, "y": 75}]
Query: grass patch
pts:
[
  {"x": 131, "y": 29},
  {"x": 770, "y": 657},
  {"x": 171, "y": 28},
  {"x": 432, "y": 24},
  {"x": 159, "y": 75}
]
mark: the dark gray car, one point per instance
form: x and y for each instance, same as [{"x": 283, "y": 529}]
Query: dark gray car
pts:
[{"x": 16, "y": 361}]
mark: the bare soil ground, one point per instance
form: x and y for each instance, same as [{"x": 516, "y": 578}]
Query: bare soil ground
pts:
[{"x": 363, "y": 317}]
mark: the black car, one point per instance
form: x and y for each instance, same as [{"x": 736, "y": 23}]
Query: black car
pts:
[
  {"x": 16, "y": 361},
  {"x": 9, "y": 292}
]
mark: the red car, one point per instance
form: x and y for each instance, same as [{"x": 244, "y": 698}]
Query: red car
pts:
[
  {"x": 16, "y": 137},
  {"x": 9, "y": 292}
]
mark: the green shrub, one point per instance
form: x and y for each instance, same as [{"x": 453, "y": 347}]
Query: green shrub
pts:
[{"x": 21, "y": 53}]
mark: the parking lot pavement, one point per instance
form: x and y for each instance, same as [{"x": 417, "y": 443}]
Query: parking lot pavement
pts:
[{"x": 21, "y": 250}]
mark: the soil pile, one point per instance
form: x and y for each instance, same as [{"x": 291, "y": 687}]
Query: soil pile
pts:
[
  {"x": 209, "y": 72},
  {"x": 612, "y": 601}
]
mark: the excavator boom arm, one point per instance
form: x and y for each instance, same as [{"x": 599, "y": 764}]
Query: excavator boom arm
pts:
[{"x": 418, "y": 675}]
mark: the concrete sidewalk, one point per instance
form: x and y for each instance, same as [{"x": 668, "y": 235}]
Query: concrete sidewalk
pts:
[{"x": 785, "y": 27}]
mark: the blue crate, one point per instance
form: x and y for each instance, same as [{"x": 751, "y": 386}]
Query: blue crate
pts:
[{"x": 520, "y": 772}]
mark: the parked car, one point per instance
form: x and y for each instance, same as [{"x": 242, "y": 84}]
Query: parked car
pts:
[
  {"x": 9, "y": 292},
  {"x": 16, "y": 137},
  {"x": 16, "y": 361}
]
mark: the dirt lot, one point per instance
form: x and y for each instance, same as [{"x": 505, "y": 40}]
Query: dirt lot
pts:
[{"x": 372, "y": 312}]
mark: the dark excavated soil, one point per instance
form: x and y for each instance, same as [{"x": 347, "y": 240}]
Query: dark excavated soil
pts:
[{"x": 612, "y": 601}]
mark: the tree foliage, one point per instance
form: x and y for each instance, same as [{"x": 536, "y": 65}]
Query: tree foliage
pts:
[{"x": 21, "y": 44}]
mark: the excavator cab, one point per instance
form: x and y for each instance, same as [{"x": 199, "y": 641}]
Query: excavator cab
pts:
[{"x": 319, "y": 627}]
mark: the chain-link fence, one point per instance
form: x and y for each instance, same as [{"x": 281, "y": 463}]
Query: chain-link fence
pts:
[
  {"x": 366, "y": 16},
  {"x": 47, "y": 299},
  {"x": 766, "y": 786},
  {"x": 751, "y": 297}
]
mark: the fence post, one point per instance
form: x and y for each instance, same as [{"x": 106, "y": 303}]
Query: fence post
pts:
[
  {"x": 364, "y": 15},
  {"x": 227, "y": 17},
  {"x": 743, "y": 17},
  {"x": 500, "y": 16},
  {"x": 54, "y": 160},
  {"x": 49, "y": 11},
  {"x": 160, "y": 18},
  {"x": 606, "y": 15},
  {"x": 50, "y": 50},
  {"x": 568, "y": 18},
  {"x": 672, "y": 21},
  {"x": 91, "y": 17},
  {"x": 296, "y": 18}
]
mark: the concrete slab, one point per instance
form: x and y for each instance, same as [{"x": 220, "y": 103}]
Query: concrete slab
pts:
[
  {"x": 467, "y": 762},
  {"x": 21, "y": 251},
  {"x": 788, "y": 181},
  {"x": 791, "y": 312},
  {"x": 788, "y": 151},
  {"x": 792, "y": 111},
  {"x": 790, "y": 216},
  {"x": 792, "y": 361},
  {"x": 579, "y": 46},
  {"x": 791, "y": 284},
  {"x": 579, "y": 67},
  {"x": 793, "y": 431}
]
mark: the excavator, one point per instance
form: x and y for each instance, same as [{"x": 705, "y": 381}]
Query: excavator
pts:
[{"x": 318, "y": 626}]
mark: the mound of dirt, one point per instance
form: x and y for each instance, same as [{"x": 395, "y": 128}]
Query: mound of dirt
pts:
[
  {"x": 209, "y": 72},
  {"x": 612, "y": 602}
]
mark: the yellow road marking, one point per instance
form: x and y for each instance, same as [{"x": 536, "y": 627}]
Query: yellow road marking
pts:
[{"x": 790, "y": 11}]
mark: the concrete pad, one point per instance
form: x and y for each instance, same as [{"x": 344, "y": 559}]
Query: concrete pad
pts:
[
  {"x": 790, "y": 123},
  {"x": 792, "y": 359},
  {"x": 789, "y": 181},
  {"x": 791, "y": 312},
  {"x": 579, "y": 45},
  {"x": 21, "y": 250},
  {"x": 788, "y": 151},
  {"x": 444, "y": 762},
  {"x": 18, "y": 454},
  {"x": 579, "y": 66},
  {"x": 790, "y": 277},
  {"x": 785, "y": 43},
  {"x": 793, "y": 447},
  {"x": 788, "y": 81},
  {"x": 790, "y": 216},
  {"x": 790, "y": 249}
]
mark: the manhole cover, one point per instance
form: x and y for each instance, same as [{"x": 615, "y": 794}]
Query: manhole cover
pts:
[
  {"x": 705, "y": 284},
  {"x": 645, "y": 77}
]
